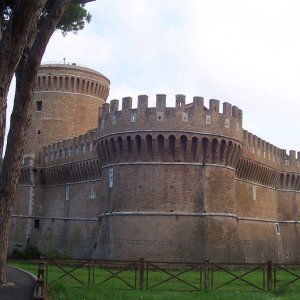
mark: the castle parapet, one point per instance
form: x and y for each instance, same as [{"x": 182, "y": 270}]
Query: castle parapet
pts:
[
  {"x": 77, "y": 148},
  {"x": 266, "y": 153},
  {"x": 184, "y": 117},
  {"x": 186, "y": 133},
  {"x": 70, "y": 78}
]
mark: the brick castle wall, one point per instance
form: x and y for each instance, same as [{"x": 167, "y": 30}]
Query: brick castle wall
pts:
[{"x": 164, "y": 183}]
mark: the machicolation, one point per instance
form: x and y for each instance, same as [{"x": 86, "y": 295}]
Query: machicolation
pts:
[{"x": 106, "y": 180}]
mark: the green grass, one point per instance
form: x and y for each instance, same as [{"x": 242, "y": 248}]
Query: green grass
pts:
[{"x": 67, "y": 288}]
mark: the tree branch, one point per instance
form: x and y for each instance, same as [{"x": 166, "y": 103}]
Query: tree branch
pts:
[{"x": 81, "y": 1}]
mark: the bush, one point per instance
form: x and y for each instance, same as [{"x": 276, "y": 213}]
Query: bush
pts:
[{"x": 30, "y": 251}]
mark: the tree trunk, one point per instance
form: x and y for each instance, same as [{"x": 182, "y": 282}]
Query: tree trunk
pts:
[
  {"x": 3, "y": 117},
  {"x": 14, "y": 40},
  {"x": 20, "y": 120}
]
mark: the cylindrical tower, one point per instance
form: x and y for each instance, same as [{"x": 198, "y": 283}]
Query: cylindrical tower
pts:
[
  {"x": 168, "y": 176},
  {"x": 66, "y": 102}
]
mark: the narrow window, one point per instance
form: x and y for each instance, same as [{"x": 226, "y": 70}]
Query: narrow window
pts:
[
  {"x": 37, "y": 224},
  {"x": 133, "y": 117},
  {"x": 208, "y": 119},
  {"x": 110, "y": 177},
  {"x": 277, "y": 228},
  {"x": 39, "y": 105},
  {"x": 82, "y": 148},
  {"x": 254, "y": 192},
  {"x": 92, "y": 194},
  {"x": 67, "y": 193}
]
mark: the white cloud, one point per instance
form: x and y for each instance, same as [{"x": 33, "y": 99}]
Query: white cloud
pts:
[{"x": 243, "y": 52}]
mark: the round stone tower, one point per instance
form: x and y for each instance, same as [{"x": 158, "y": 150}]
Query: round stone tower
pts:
[
  {"x": 66, "y": 103},
  {"x": 168, "y": 176}
]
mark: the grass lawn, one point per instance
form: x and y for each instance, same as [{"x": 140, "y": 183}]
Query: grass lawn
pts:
[{"x": 67, "y": 288}]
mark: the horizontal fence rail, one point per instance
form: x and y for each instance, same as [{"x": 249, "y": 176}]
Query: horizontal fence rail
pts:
[{"x": 166, "y": 276}]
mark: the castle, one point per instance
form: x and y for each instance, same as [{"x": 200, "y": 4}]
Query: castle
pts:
[{"x": 163, "y": 183}]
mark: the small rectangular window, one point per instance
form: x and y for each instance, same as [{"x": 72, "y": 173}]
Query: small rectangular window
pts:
[
  {"x": 36, "y": 224},
  {"x": 39, "y": 105},
  {"x": 110, "y": 177},
  {"x": 67, "y": 193},
  {"x": 92, "y": 194},
  {"x": 254, "y": 192},
  {"x": 277, "y": 228}
]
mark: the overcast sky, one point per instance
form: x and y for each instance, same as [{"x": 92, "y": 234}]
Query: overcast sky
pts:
[{"x": 243, "y": 52}]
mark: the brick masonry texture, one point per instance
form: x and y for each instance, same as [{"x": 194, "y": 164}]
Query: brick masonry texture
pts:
[{"x": 164, "y": 183}]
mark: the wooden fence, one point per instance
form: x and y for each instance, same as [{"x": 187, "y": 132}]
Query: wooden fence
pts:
[{"x": 149, "y": 275}]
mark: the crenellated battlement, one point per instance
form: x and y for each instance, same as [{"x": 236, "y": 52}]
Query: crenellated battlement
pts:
[
  {"x": 77, "y": 148},
  {"x": 264, "y": 152},
  {"x": 184, "y": 117},
  {"x": 72, "y": 79}
]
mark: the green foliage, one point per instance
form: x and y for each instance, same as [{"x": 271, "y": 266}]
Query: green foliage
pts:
[
  {"x": 16, "y": 254},
  {"x": 74, "y": 19},
  {"x": 30, "y": 251}
]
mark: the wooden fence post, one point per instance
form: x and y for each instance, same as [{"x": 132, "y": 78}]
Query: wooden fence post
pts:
[
  {"x": 89, "y": 274},
  {"x": 269, "y": 275},
  {"x": 206, "y": 274},
  {"x": 40, "y": 282},
  {"x": 141, "y": 279}
]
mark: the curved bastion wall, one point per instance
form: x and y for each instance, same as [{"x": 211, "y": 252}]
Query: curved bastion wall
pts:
[
  {"x": 192, "y": 177},
  {"x": 164, "y": 168}
]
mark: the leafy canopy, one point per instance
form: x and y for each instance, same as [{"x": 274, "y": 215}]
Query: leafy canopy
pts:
[{"x": 73, "y": 19}]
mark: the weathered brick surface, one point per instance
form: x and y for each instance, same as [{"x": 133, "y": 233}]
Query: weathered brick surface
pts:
[
  {"x": 70, "y": 97},
  {"x": 168, "y": 183}
]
